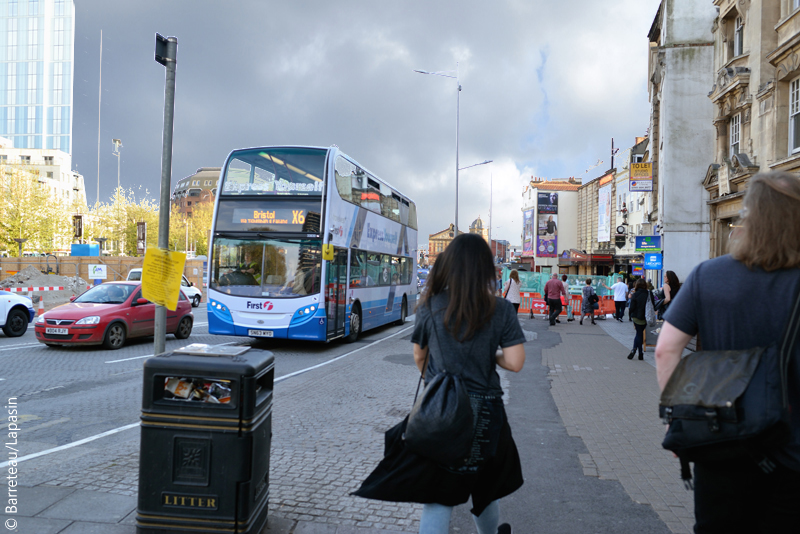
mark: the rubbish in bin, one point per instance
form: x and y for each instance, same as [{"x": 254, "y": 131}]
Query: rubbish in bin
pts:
[
  {"x": 179, "y": 387},
  {"x": 197, "y": 389}
]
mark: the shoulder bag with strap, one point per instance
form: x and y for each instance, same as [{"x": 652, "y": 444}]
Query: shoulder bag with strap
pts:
[
  {"x": 729, "y": 403},
  {"x": 507, "y": 289},
  {"x": 440, "y": 425}
]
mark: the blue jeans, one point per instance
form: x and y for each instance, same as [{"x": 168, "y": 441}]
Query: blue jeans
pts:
[{"x": 436, "y": 519}]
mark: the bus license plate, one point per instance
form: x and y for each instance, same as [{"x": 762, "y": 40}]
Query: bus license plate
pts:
[
  {"x": 259, "y": 333},
  {"x": 61, "y": 331}
]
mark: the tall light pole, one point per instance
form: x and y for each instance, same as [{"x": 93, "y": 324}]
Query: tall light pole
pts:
[
  {"x": 117, "y": 145},
  {"x": 166, "y": 54},
  {"x": 445, "y": 74}
]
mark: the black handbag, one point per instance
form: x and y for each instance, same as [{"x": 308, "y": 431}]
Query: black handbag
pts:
[
  {"x": 441, "y": 425},
  {"x": 724, "y": 404}
]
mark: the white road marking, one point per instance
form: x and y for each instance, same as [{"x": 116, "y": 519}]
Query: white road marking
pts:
[
  {"x": 301, "y": 371},
  {"x": 15, "y": 347},
  {"x": 71, "y": 445}
]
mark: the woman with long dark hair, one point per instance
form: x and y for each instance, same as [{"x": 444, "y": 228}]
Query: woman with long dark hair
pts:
[
  {"x": 459, "y": 325},
  {"x": 733, "y": 495}
]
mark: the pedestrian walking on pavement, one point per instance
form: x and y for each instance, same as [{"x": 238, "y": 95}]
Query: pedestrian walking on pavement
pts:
[
  {"x": 511, "y": 291},
  {"x": 620, "y": 290},
  {"x": 459, "y": 325},
  {"x": 637, "y": 313},
  {"x": 587, "y": 306},
  {"x": 668, "y": 292},
  {"x": 553, "y": 290},
  {"x": 734, "y": 495}
]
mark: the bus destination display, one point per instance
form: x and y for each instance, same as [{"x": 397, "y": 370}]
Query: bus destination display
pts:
[{"x": 269, "y": 217}]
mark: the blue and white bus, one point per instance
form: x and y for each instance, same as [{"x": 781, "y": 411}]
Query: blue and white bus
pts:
[{"x": 307, "y": 244}]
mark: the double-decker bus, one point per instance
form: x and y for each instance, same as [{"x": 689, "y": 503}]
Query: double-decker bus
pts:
[{"x": 307, "y": 244}]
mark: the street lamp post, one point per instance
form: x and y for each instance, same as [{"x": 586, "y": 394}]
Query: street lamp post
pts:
[
  {"x": 117, "y": 145},
  {"x": 445, "y": 74}
]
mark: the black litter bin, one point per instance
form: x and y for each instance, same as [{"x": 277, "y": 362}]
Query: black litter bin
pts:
[{"x": 205, "y": 440}]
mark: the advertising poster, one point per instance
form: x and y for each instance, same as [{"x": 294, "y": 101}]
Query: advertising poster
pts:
[
  {"x": 641, "y": 177},
  {"x": 547, "y": 225},
  {"x": 527, "y": 233},
  {"x": 648, "y": 243},
  {"x": 546, "y": 246},
  {"x": 604, "y": 214},
  {"x": 547, "y": 202}
]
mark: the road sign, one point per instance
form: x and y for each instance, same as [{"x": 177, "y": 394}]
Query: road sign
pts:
[
  {"x": 648, "y": 243},
  {"x": 653, "y": 261}
]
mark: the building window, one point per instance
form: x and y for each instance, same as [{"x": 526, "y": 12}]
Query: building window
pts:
[
  {"x": 794, "y": 115},
  {"x": 735, "y": 121},
  {"x": 25, "y": 159},
  {"x": 738, "y": 37},
  {"x": 48, "y": 160},
  {"x": 795, "y": 4},
  {"x": 33, "y": 38},
  {"x": 49, "y": 175}
]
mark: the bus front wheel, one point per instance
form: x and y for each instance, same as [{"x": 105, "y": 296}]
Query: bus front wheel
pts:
[
  {"x": 355, "y": 324},
  {"x": 403, "y": 313}
]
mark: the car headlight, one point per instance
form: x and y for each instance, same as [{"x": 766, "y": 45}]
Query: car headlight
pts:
[
  {"x": 94, "y": 319},
  {"x": 40, "y": 319}
]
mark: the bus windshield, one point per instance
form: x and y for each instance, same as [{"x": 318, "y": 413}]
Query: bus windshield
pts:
[
  {"x": 272, "y": 268},
  {"x": 275, "y": 171}
]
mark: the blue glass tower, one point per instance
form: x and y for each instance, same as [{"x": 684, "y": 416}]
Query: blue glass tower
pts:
[{"x": 36, "y": 70}]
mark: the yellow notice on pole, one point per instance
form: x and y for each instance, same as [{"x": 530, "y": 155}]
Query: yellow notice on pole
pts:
[{"x": 161, "y": 276}]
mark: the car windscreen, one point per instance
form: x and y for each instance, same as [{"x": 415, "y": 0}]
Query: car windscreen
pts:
[
  {"x": 107, "y": 294},
  {"x": 272, "y": 268},
  {"x": 135, "y": 275},
  {"x": 275, "y": 171}
]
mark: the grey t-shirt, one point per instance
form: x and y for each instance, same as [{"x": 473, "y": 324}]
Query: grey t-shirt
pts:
[
  {"x": 474, "y": 359},
  {"x": 734, "y": 308}
]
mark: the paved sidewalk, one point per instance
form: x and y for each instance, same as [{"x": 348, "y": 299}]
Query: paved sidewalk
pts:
[{"x": 611, "y": 403}]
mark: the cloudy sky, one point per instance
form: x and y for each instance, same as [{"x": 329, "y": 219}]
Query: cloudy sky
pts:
[{"x": 545, "y": 86}]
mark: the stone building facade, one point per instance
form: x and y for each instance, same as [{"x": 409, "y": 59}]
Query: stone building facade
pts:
[{"x": 756, "y": 98}]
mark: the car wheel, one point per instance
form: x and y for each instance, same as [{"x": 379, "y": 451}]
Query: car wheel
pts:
[
  {"x": 403, "y": 313},
  {"x": 355, "y": 324},
  {"x": 184, "y": 328},
  {"x": 16, "y": 323},
  {"x": 115, "y": 337},
  {"x": 196, "y": 301}
]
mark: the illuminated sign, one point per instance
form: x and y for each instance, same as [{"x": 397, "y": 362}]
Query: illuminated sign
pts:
[
  {"x": 270, "y": 217},
  {"x": 276, "y": 216}
]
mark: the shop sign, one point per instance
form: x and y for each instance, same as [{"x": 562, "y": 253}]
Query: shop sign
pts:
[
  {"x": 648, "y": 243},
  {"x": 637, "y": 269},
  {"x": 653, "y": 261},
  {"x": 641, "y": 177}
]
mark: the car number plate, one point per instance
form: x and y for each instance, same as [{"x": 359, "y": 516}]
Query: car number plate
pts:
[
  {"x": 56, "y": 331},
  {"x": 259, "y": 333}
]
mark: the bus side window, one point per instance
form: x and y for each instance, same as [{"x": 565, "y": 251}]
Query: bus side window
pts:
[
  {"x": 358, "y": 268},
  {"x": 405, "y": 271},
  {"x": 345, "y": 176},
  {"x": 386, "y": 270},
  {"x": 373, "y": 269},
  {"x": 412, "y": 215}
]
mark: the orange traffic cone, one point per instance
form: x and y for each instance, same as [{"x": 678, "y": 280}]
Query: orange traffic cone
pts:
[{"x": 41, "y": 307}]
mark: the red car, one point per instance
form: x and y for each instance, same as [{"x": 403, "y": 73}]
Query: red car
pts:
[{"x": 107, "y": 315}]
